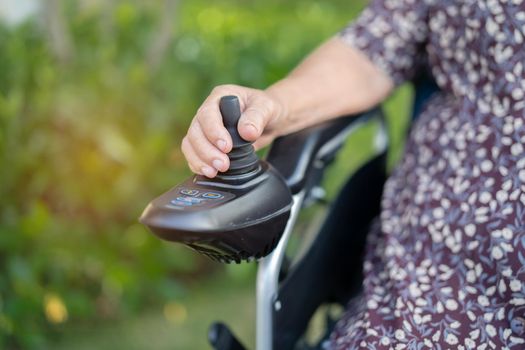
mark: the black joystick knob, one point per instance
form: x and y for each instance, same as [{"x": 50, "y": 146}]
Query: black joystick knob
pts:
[{"x": 244, "y": 163}]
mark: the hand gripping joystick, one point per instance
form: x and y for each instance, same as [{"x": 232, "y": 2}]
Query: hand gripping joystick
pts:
[
  {"x": 239, "y": 215},
  {"x": 244, "y": 162}
]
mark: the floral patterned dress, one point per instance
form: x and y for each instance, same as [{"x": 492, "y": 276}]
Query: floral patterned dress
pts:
[{"x": 445, "y": 266}]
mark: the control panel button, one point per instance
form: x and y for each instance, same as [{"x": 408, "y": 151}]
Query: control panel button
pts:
[
  {"x": 212, "y": 195},
  {"x": 189, "y": 192},
  {"x": 181, "y": 203},
  {"x": 190, "y": 200}
]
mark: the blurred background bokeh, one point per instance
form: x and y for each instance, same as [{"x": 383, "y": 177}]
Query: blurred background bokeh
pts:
[{"x": 95, "y": 96}]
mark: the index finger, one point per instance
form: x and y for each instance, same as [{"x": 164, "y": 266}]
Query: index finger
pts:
[
  {"x": 210, "y": 118},
  {"x": 210, "y": 121}
]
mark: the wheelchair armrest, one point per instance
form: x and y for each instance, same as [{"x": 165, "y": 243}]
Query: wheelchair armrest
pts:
[{"x": 294, "y": 155}]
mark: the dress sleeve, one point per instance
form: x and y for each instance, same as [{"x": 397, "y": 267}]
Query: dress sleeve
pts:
[{"x": 391, "y": 33}]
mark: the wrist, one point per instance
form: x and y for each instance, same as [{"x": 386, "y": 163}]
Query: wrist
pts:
[{"x": 281, "y": 118}]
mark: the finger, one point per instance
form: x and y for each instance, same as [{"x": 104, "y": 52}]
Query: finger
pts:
[
  {"x": 263, "y": 141},
  {"x": 209, "y": 117},
  {"x": 194, "y": 162},
  {"x": 207, "y": 152},
  {"x": 254, "y": 119}
]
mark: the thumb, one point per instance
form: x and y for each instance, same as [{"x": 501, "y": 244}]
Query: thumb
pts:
[
  {"x": 252, "y": 123},
  {"x": 263, "y": 141}
]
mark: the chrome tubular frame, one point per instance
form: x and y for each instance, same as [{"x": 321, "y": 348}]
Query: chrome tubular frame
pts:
[{"x": 268, "y": 282}]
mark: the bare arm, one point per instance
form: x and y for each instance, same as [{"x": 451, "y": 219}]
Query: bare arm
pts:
[{"x": 332, "y": 81}]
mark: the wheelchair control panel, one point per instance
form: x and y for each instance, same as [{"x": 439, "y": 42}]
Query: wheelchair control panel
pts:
[{"x": 238, "y": 215}]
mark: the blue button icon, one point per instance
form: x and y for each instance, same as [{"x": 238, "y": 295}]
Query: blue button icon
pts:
[
  {"x": 212, "y": 195},
  {"x": 190, "y": 200},
  {"x": 189, "y": 192},
  {"x": 181, "y": 203}
]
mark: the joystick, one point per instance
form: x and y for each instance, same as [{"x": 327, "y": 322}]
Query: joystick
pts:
[
  {"x": 238, "y": 215},
  {"x": 244, "y": 163}
]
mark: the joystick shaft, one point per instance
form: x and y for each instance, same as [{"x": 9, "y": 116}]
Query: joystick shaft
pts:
[{"x": 244, "y": 163}]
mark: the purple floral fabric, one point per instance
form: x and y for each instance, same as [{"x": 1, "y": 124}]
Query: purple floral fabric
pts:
[{"x": 445, "y": 264}]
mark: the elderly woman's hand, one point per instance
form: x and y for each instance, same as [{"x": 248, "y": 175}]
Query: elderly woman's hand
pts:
[{"x": 207, "y": 141}]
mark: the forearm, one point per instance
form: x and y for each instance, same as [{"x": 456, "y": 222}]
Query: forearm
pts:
[{"x": 334, "y": 80}]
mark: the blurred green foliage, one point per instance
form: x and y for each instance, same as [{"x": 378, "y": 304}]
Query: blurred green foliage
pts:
[{"x": 86, "y": 142}]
